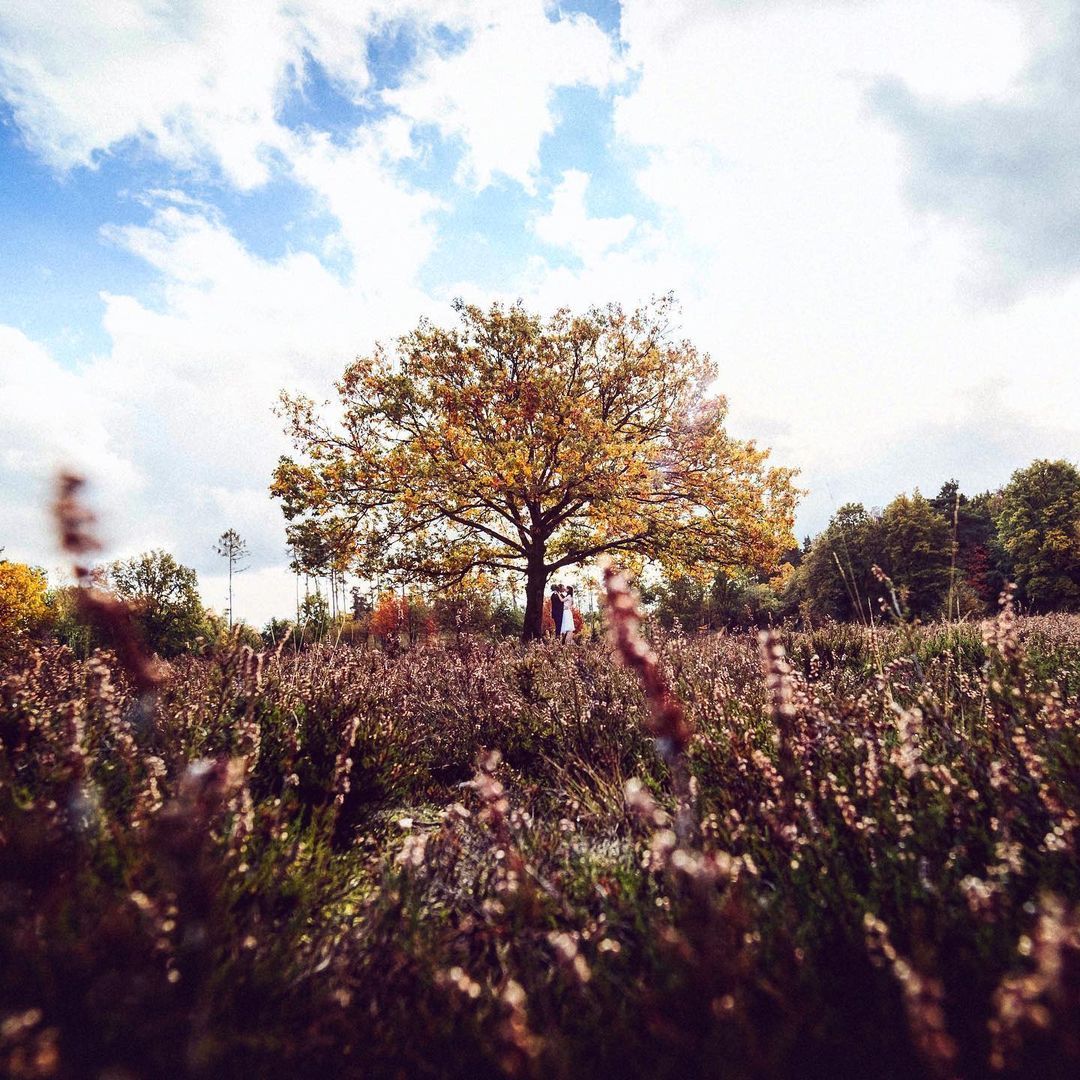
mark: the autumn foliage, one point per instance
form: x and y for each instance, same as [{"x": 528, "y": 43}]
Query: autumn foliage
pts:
[
  {"x": 394, "y": 615},
  {"x": 22, "y": 600},
  {"x": 514, "y": 444}
]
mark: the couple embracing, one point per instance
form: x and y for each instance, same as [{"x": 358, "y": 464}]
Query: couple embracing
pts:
[{"x": 562, "y": 610}]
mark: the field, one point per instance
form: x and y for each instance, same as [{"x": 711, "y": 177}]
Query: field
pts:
[{"x": 461, "y": 860}]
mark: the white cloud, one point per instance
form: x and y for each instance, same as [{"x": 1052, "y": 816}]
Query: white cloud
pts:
[
  {"x": 37, "y": 394},
  {"x": 195, "y": 80},
  {"x": 50, "y": 420},
  {"x": 174, "y": 424},
  {"x": 1006, "y": 169},
  {"x": 203, "y": 83},
  {"x": 202, "y": 374},
  {"x": 838, "y": 317},
  {"x": 385, "y": 227},
  {"x": 496, "y": 93},
  {"x": 568, "y": 224}
]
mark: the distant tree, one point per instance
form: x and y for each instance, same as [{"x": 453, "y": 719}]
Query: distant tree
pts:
[
  {"x": 322, "y": 548},
  {"x": 747, "y": 599},
  {"x": 232, "y": 547},
  {"x": 728, "y": 600},
  {"x": 315, "y": 617},
  {"x": 910, "y": 540},
  {"x": 1038, "y": 526},
  {"x": 217, "y": 628},
  {"x": 507, "y": 619},
  {"x": 245, "y": 634},
  {"x": 518, "y": 445},
  {"x": 165, "y": 598},
  {"x": 67, "y": 623},
  {"x": 387, "y": 616},
  {"x": 916, "y": 552},
  {"x": 275, "y": 630},
  {"x": 22, "y": 602},
  {"x": 979, "y": 573},
  {"x": 947, "y": 499},
  {"x": 986, "y": 563},
  {"x": 793, "y": 556},
  {"x": 835, "y": 579},
  {"x": 419, "y": 618},
  {"x": 395, "y": 615},
  {"x": 679, "y": 601},
  {"x": 466, "y": 609},
  {"x": 361, "y": 604}
]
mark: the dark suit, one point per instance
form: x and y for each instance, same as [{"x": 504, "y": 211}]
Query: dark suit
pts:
[{"x": 556, "y": 610}]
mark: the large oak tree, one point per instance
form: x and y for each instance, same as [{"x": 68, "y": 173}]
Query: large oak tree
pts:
[{"x": 511, "y": 443}]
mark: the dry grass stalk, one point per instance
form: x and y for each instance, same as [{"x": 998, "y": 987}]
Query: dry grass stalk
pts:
[
  {"x": 668, "y": 723},
  {"x": 112, "y": 617},
  {"x": 513, "y": 873},
  {"x": 1001, "y": 633},
  {"x": 1042, "y": 1002},
  {"x": 923, "y": 997},
  {"x": 782, "y": 704}
]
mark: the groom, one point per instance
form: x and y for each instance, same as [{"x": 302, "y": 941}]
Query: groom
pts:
[{"x": 556, "y": 607}]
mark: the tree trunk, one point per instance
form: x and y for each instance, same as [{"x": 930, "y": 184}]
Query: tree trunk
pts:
[{"x": 535, "y": 583}]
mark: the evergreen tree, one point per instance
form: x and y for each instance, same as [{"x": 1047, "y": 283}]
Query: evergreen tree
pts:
[{"x": 231, "y": 546}]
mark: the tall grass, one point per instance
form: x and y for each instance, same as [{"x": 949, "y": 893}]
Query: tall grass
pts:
[{"x": 463, "y": 860}]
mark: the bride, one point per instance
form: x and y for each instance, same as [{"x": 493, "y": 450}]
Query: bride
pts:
[{"x": 566, "y": 627}]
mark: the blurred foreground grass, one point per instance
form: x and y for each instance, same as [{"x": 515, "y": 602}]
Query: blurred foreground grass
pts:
[{"x": 459, "y": 861}]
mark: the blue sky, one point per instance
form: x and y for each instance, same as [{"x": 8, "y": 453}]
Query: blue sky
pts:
[{"x": 869, "y": 213}]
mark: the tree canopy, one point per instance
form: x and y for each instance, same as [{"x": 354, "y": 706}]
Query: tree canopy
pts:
[
  {"x": 943, "y": 556},
  {"x": 22, "y": 600},
  {"x": 165, "y": 598},
  {"x": 1038, "y": 524},
  {"x": 917, "y": 553},
  {"x": 511, "y": 443}
]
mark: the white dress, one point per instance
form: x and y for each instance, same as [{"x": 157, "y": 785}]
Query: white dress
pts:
[{"x": 567, "y": 626}]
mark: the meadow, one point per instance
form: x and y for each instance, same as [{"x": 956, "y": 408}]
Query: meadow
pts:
[{"x": 466, "y": 859}]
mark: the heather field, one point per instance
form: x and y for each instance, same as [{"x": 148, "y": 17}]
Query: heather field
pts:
[{"x": 468, "y": 859}]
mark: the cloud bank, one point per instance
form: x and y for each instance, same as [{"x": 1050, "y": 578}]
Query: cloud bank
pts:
[
  {"x": 868, "y": 212},
  {"x": 1006, "y": 167}
]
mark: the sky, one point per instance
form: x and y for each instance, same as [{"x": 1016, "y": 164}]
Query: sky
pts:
[{"x": 869, "y": 211}]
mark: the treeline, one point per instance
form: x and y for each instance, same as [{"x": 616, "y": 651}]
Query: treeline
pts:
[
  {"x": 946, "y": 556},
  {"x": 162, "y": 597},
  {"x": 926, "y": 558},
  {"x": 161, "y": 594},
  {"x": 397, "y": 615}
]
